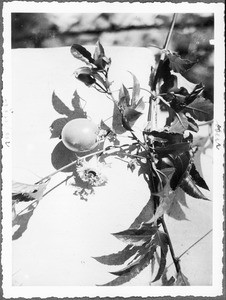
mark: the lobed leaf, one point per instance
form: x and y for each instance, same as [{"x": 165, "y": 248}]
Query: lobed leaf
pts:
[{"x": 178, "y": 64}]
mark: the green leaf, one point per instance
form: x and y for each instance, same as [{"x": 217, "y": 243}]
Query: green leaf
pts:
[
  {"x": 192, "y": 125},
  {"x": 59, "y": 106},
  {"x": 99, "y": 51},
  {"x": 175, "y": 149},
  {"x": 200, "y": 109},
  {"x": 118, "y": 258},
  {"x": 178, "y": 64},
  {"x": 57, "y": 126},
  {"x": 181, "y": 279},
  {"x": 131, "y": 114},
  {"x": 78, "y": 110},
  {"x": 81, "y": 53},
  {"x": 191, "y": 189}
]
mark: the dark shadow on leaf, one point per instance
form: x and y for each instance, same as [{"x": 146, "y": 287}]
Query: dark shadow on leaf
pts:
[
  {"x": 22, "y": 220},
  {"x": 62, "y": 156}
]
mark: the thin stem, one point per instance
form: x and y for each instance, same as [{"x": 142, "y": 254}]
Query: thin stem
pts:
[
  {"x": 170, "y": 32},
  {"x": 175, "y": 259},
  {"x": 195, "y": 243},
  {"x": 30, "y": 205},
  {"x": 69, "y": 165}
]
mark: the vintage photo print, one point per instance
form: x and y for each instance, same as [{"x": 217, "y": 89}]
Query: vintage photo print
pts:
[{"x": 112, "y": 149}]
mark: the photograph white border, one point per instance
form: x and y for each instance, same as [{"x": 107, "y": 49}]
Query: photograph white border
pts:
[{"x": 219, "y": 53}]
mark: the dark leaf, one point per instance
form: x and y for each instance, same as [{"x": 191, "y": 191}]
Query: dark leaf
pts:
[
  {"x": 162, "y": 265},
  {"x": 171, "y": 137},
  {"x": 118, "y": 258},
  {"x": 59, "y": 106},
  {"x": 137, "y": 236},
  {"x": 178, "y": 64},
  {"x": 179, "y": 126},
  {"x": 177, "y": 102},
  {"x": 191, "y": 189},
  {"x": 182, "y": 280},
  {"x": 194, "y": 94},
  {"x": 85, "y": 75},
  {"x": 166, "y": 281},
  {"x": 62, "y": 156},
  {"x": 134, "y": 269},
  {"x": 163, "y": 73},
  {"x": 192, "y": 126},
  {"x": 200, "y": 109},
  {"x": 161, "y": 239},
  {"x": 131, "y": 114},
  {"x": 124, "y": 97},
  {"x": 81, "y": 53},
  {"x": 57, "y": 126},
  {"x": 181, "y": 163},
  {"x": 151, "y": 78},
  {"x": 28, "y": 192},
  {"x": 99, "y": 51},
  {"x": 117, "y": 121},
  {"x": 176, "y": 148},
  {"x": 197, "y": 178}
]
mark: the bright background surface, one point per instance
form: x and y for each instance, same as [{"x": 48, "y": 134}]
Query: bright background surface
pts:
[{"x": 64, "y": 233}]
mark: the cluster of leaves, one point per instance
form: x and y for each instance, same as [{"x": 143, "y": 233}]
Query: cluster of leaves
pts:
[{"x": 169, "y": 169}]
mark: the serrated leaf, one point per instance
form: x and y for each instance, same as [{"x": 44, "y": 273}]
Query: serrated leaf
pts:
[
  {"x": 134, "y": 270},
  {"x": 191, "y": 189},
  {"x": 197, "y": 178},
  {"x": 118, "y": 258},
  {"x": 200, "y": 109},
  {"x": 181, "y": 163},
  {"x": 57, "y": 126},
  {"x": 181, "y": 279},
  {"x": 137, "y": 237},
  {"x": 81, "y": 53},
  {"x": 59, "y": 106},
  {"x": 178, "y": 64},
  {"x": 28, "y": 192}
]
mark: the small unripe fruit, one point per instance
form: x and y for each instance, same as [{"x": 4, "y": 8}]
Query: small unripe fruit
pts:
[{"x": 80, "y": 135}]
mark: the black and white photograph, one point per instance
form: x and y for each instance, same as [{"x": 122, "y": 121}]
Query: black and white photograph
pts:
[{"x": 112, "y": 149}]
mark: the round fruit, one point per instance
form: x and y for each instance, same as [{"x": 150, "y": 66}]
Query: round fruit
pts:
[{"x": 80, "y": 135}]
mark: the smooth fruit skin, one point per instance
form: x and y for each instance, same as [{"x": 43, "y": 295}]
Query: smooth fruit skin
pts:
[{"x": 80, "y": 135}]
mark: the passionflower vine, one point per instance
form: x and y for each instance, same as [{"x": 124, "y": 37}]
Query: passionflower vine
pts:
[{"x": 92, "y": 172}]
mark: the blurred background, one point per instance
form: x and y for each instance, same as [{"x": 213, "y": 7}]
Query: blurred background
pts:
[{"x": 193, "y": 36}]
